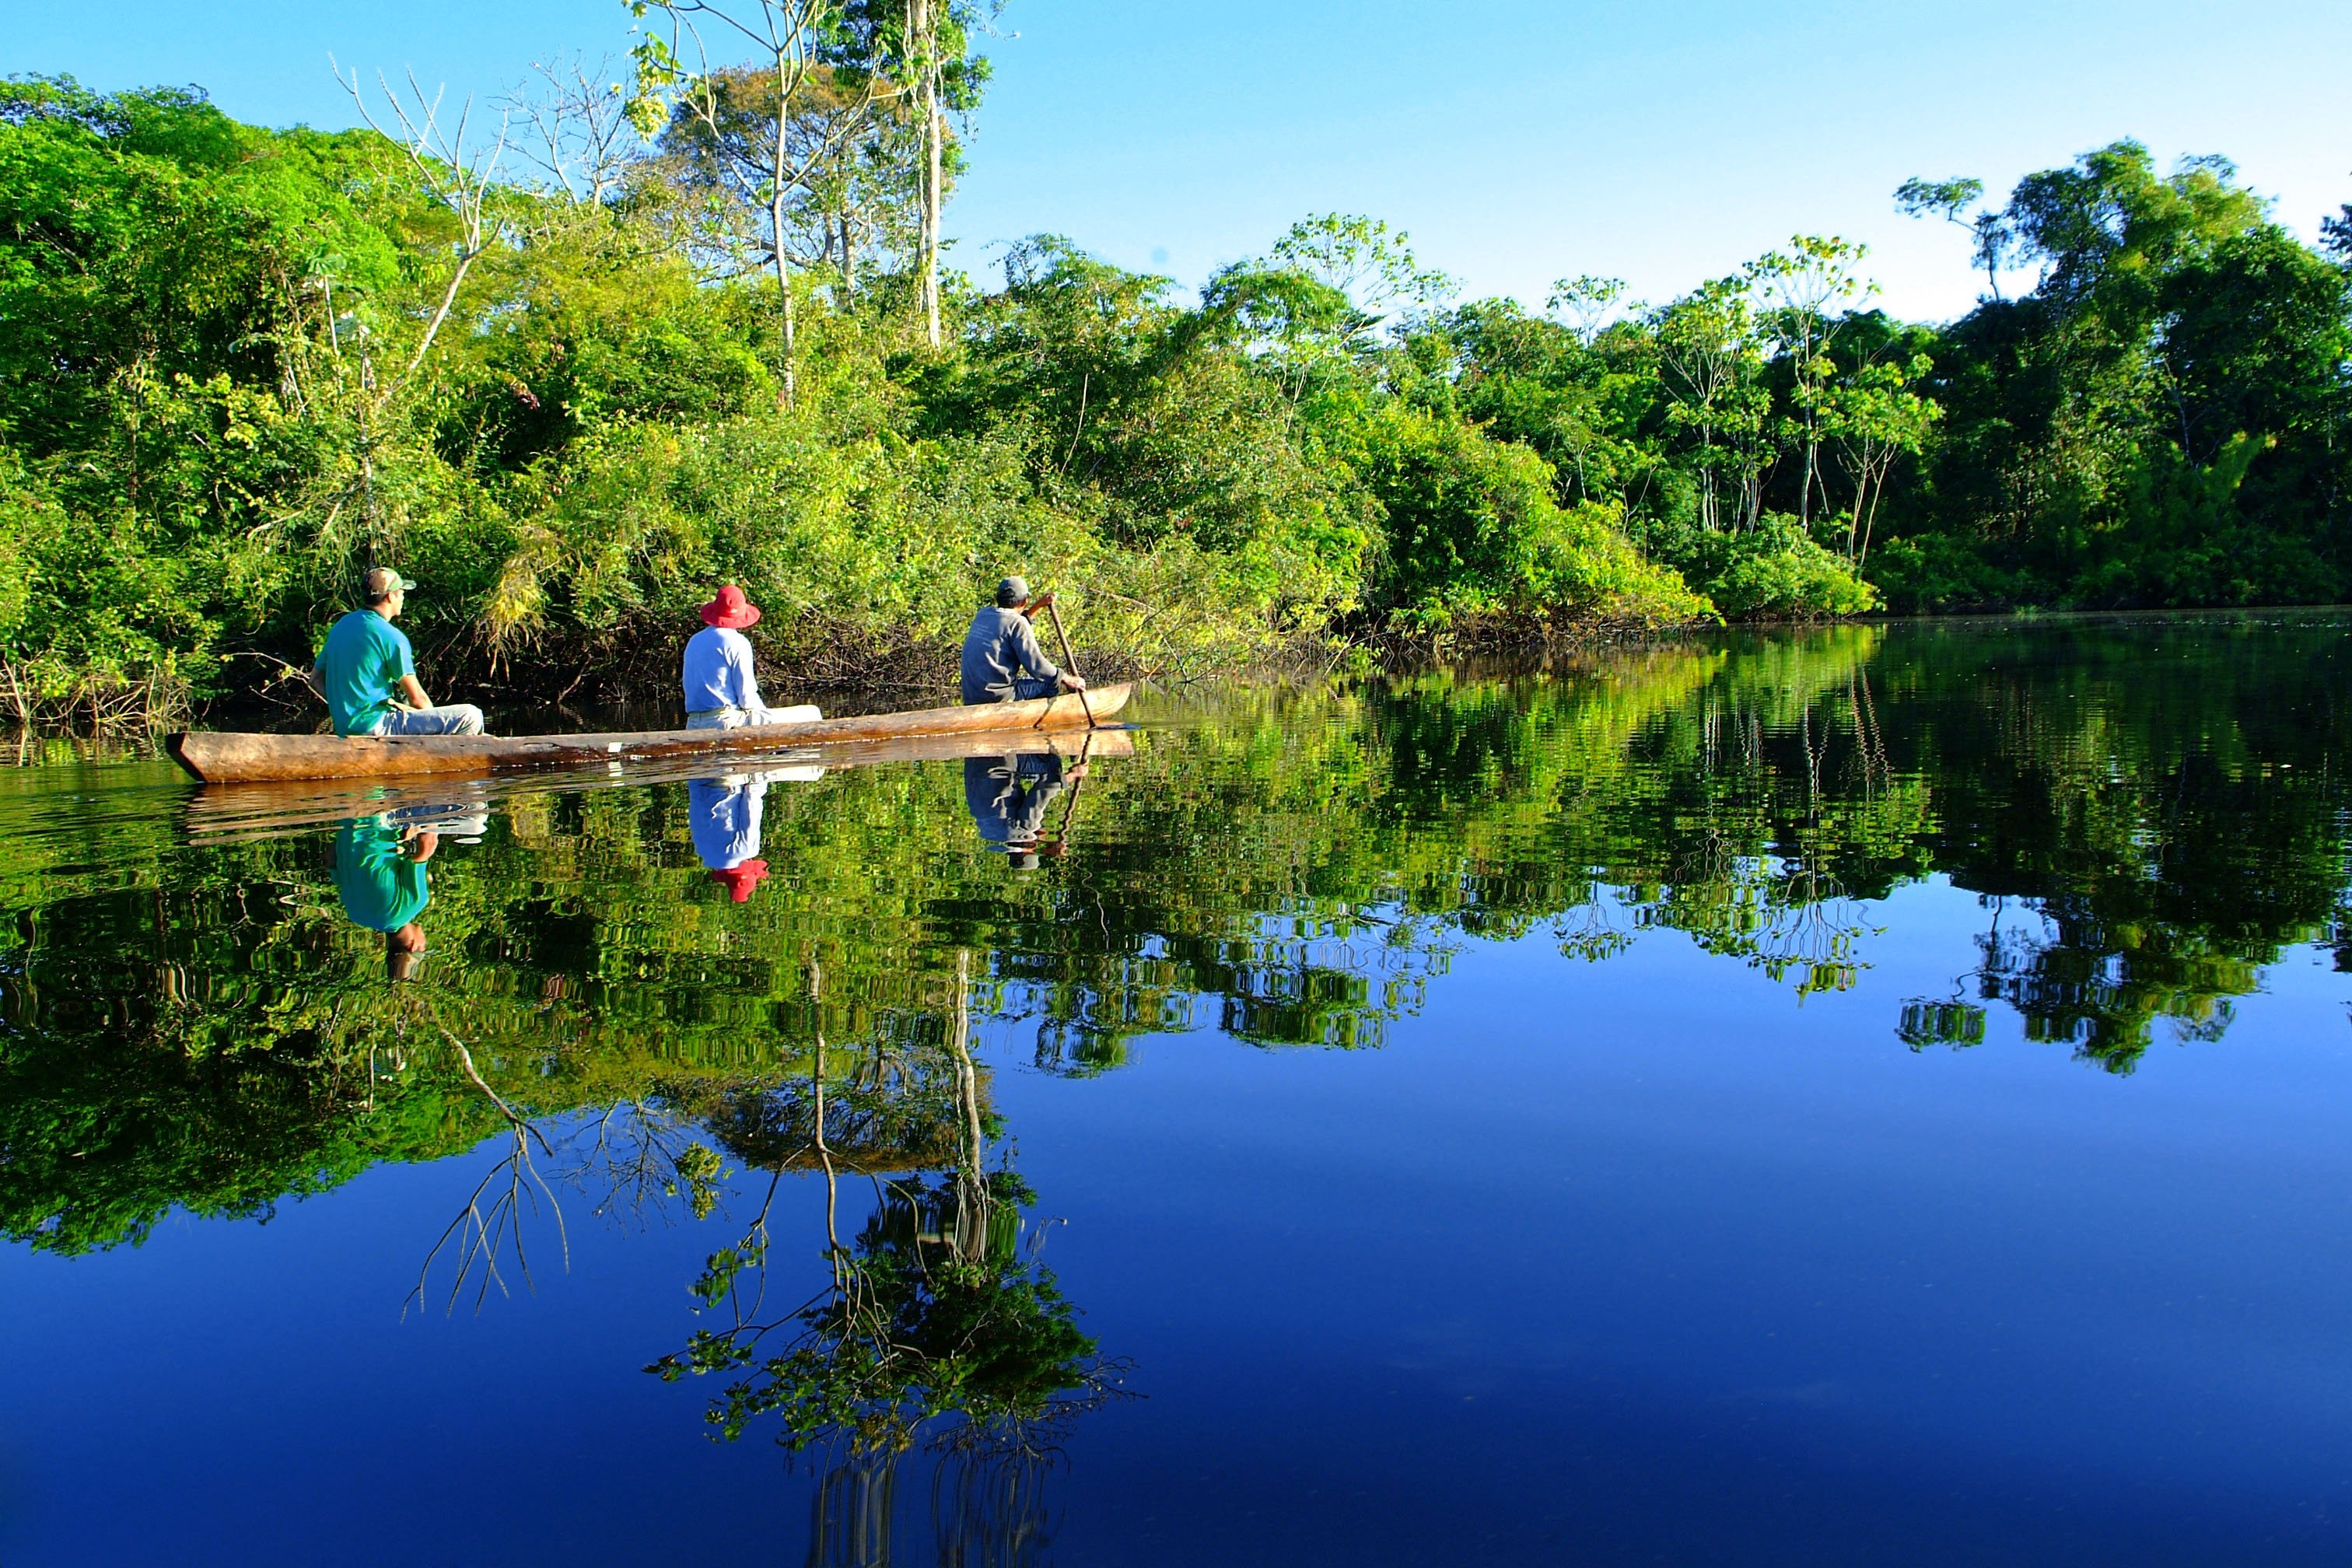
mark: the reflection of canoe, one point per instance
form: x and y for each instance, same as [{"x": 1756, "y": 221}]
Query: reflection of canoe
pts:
[
  {"x": 227, "y": 757},
  {"x": 268, "y": 808}
]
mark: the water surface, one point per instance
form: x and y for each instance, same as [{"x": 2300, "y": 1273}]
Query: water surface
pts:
[{"x": 1860, "y": 1095}]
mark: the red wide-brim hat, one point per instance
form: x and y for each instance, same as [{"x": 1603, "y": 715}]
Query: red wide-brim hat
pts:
[
  {"x": 739, "y": 880},
  {"x": 730, "y": 609}
]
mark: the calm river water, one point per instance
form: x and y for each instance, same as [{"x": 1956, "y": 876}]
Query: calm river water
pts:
[{"x": 1871, "y": 1095}]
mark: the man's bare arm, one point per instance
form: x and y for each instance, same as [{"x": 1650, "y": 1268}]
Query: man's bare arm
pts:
[{"x": 414, "y": 692}]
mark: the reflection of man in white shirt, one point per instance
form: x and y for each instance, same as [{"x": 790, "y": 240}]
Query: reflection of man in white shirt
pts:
[
  {"x": 721, "y": 692},
  {"x": 722, "y": 814}
]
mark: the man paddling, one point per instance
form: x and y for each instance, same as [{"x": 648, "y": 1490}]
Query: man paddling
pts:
[
  {"x": 367, "y": 659},
  {"x": 1002, "y": 660},
  {"x": 721, "y": 692}
]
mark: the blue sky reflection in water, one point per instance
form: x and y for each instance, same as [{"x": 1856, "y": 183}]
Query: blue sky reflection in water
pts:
[{"x": 1855, "y": 1096}]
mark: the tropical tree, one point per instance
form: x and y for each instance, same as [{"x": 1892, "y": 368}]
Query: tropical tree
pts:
[
  {"x": 1712, "y": 351},
  {"x": 1876, "y": 420},
  {"x": 740, "y": 125},
  {"x": 1986, "y": 228},
  {"x": 1807, "y": 291}
]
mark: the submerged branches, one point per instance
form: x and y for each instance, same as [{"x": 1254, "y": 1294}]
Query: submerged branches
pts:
[{"x": 480, "y": 1236}]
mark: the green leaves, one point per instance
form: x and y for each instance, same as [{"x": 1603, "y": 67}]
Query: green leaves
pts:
[{"x": 205, "y": 329}]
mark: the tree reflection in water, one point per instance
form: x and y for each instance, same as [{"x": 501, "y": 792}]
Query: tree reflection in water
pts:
[
  {"x": 938, "y": 1322},
  {"x": 2148, "y": 812}
]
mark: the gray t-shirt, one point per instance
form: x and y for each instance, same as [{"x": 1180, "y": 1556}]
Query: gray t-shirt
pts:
[{"x": 1000, "y": 647}]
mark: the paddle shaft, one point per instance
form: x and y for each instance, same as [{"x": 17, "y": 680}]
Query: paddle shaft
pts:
[
  {"x": 1069, "y": 659},
  {"x": 1070, "y": 807}
]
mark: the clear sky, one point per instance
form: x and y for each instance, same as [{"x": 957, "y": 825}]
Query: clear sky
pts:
[{"x": 1517, "y": 141}]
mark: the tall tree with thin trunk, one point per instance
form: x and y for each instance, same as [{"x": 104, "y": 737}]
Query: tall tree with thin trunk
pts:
[
  {"x": 788, "y": 38},
  {"x": 922, "y": 51},
  {"x": 1802, "y": 290},
  {"x": 457, "y": 174},
  {"x": 923, "y": 40},
  {"x": 1948, "y": 199},
  {"x": 1710, "y": 362}
]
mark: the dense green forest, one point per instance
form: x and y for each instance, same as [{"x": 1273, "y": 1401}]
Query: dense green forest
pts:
[{"x": 575, "y": 357}]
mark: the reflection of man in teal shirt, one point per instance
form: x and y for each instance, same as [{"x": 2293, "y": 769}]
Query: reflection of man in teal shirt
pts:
[{"x": 380, "y": 872}]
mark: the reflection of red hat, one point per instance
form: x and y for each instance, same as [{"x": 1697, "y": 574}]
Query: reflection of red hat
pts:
[
  {"x": 730, "y": 609},
  {"x": 739, "y": 880}
]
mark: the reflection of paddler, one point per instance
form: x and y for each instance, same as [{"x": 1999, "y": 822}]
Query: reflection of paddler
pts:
[
  {"x": 723, "y": 815},
  {"x": 380, "y": 875},
  {"x": 1007, "y": 797}
]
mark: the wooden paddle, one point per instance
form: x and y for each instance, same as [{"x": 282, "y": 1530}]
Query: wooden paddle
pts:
[
  {"x": 1070, "y": 806},
  {"x": 1069, "y": 661}
]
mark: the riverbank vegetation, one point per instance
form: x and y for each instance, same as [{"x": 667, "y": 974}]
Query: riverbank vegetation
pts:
[{"x": 579, "y": 358}]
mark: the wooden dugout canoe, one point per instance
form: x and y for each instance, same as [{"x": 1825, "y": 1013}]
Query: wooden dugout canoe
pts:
[
  {"x": 266, "y": 808},
  {"x": 223, "y": 756}
]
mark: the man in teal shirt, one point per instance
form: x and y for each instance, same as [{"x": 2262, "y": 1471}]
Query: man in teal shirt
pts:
[{"x": 367, "y": 661}]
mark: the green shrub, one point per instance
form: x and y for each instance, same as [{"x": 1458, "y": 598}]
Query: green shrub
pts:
[
  {"x": 1472, "y": 528},
  {"x": 1774, "y": 571}
]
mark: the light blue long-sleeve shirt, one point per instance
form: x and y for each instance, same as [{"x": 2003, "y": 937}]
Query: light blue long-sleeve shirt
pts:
[{"x": 718, "y": 671}]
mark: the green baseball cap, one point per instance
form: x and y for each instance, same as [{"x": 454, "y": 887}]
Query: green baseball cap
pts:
[{"x": 382, "y": 581}]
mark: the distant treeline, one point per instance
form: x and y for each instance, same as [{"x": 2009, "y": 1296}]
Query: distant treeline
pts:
[{"x": 573, "y": 376}]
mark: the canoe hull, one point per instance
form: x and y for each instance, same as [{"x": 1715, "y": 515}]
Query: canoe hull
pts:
[
  {"x": 229, "y": 813},
  {"x": 219, "y": 756}
]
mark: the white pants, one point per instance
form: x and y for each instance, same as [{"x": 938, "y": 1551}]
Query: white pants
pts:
[
  {"x": 450, "y": 719},
  {"x": 739, "y": 718}
]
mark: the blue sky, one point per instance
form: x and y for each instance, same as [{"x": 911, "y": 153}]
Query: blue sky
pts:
[{"x": 1517, "y": 142}]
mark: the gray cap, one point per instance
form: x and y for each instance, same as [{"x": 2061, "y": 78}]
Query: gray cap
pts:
[{"x": 1012, "y": 591}]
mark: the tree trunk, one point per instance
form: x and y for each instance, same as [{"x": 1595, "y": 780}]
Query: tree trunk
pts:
[
  {"x": 1877, "y": 492},
  {"x": 449, "y": 303},
  {"x": 934, "y": 128},
  {"x": 926, "y": 40},
  {"x": 1861, "y": 494},
  {"x": 783, "y": 284},
  {"x": 787, "y": 80}
]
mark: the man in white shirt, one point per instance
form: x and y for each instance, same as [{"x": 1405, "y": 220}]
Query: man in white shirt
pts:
[{"x": 720, "y": 691}]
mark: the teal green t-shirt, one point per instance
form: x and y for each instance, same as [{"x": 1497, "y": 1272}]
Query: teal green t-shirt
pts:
[
  {"x": 382, "y": 889},
  {"x": 360, "y": 666}
]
